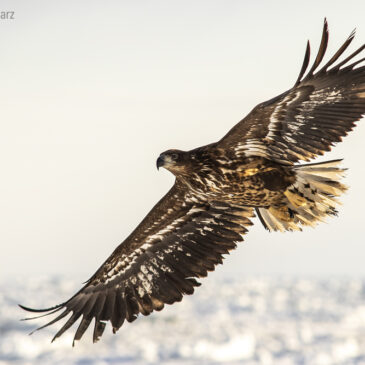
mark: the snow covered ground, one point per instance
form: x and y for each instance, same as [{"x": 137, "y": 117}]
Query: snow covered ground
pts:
[{"x": 245, "y": 321}]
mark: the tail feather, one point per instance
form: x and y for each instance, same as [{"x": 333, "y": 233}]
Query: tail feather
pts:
[{"x": 310, "y": 200}]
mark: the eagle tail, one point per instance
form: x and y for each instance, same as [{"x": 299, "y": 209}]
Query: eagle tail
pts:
[{"x": 309, "y": 200}]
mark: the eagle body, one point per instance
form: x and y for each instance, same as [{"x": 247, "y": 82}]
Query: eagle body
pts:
[
  {"x": 210, "y": 173},
  {"x": 256, "y": 168}
]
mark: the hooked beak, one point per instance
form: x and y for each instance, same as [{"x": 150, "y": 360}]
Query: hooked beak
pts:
[{"x": 160, "y": 162}]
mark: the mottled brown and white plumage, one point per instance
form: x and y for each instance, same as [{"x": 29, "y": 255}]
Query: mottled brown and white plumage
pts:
[{"x": 219, "y": 187}]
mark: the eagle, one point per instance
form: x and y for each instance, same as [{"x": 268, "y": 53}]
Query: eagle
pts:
[{"x": 254, "y": 169}]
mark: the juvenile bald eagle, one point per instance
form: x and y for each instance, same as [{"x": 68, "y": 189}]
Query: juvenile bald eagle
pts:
[{"x": 218, "y": 188}]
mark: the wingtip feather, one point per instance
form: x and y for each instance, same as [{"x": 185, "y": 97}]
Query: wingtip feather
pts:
[
  {"x": 305, "y": 63},
  {"x": 40, "y": 310},
  {"x": 322, "y": 49}
]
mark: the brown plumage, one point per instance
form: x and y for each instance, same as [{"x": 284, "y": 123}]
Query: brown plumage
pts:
[{"x": 219, "y": 187}]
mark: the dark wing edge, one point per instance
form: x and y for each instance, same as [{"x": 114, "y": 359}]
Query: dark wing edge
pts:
[
  {"x": 307, "y": 120},
  {"x": 159, "y": 271},
  {"x": 321, "y": 53}
]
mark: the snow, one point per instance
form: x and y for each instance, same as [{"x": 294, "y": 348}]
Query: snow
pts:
[{"x": 250, "y": 321}]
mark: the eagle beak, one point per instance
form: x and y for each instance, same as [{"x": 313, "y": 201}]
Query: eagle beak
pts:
[{"x": 160, "y": 162}]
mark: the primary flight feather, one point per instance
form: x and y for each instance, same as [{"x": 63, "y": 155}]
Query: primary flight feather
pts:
[{"x": 220, "y": 186}]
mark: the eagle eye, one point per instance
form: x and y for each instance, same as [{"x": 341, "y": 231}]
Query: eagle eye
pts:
[{"x": 174, "y": 156}]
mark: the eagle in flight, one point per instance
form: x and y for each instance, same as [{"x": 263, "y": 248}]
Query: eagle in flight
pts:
[{"x": 219, "y": 188}]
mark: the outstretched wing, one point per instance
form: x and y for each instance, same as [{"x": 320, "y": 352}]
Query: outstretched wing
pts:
[
  {"x": 309, "y": 118},
  {"x": 178, "y": 240}
]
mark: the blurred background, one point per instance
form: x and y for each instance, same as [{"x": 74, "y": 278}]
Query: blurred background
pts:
[{"x": 91, "y": 93}]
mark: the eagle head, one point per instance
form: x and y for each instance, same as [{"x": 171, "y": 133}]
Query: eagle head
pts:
[{"x": 173, "y": 160}]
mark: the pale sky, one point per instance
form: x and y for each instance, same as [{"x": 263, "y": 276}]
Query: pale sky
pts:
[{"x": 93, "y": 91}]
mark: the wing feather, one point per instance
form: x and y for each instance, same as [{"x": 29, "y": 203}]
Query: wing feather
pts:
[
  {"x": 178, "y": 240},
  {"x": 99, "y": 328},
  {"x": 321, "y": 51},
  {"x": 305, "y": 64},
  {"x": 308, "y": 119}
]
